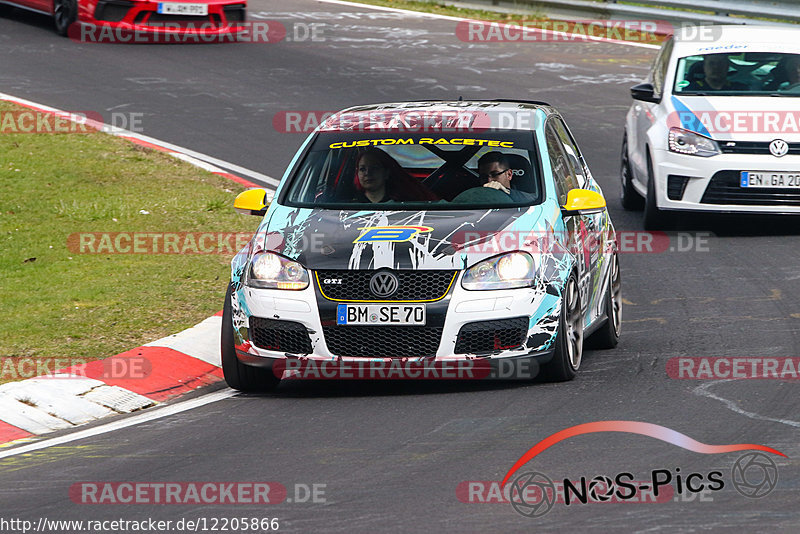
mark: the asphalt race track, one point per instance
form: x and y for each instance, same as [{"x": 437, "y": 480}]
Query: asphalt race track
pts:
[{"x": 391, "y": 455}]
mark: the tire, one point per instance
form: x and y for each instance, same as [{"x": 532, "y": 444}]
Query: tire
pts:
[
  {"x": 630, "y": 197},
  {"x": 569, "y": 341},
  {"x": 65, "y": 13},
  {"x": 654, "y": 218},
  {"x": 238, "y": 375},
  {"x": 607, "y": 336}
]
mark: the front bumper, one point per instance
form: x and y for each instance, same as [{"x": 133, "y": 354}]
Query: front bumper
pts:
[
  {"x": 128, "y": 21},
  {"x": 535, "y": 309},
  {"x": 711, "y": 184}
]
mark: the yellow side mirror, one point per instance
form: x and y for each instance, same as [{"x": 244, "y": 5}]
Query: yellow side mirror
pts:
[
  {"x": 252, "y": 202},
  {"x": 583, "y": 202}
]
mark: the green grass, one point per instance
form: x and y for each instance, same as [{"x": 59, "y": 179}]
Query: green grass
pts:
[{"x": 63, "y": 304}]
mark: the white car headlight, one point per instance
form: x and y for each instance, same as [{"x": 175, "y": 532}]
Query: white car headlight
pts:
[
  {"x": 512, "y": 270},
  {"x": 268, "y": 270},
  {"x": 686, "y": 142}
]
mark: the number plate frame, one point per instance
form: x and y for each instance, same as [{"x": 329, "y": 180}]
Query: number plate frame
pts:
[
  {"x": 182, "y": 8},
  {"x": 381, "y": 315},
  {"x": 769, "y": 180}
]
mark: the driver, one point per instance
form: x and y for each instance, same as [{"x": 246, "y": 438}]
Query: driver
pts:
[
  {"x": 495, "y": 170},
  {"x": 715, "y": 69}
]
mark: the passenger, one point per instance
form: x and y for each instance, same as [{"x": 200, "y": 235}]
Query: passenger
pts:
[
  {"x": 495, "y": 170},
  {"x": 715, "y": 69},
  {"x": 379, "y": 178}
]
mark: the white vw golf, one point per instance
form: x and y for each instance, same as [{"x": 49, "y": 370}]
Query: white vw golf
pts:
[{"x": 716, "y": 126}]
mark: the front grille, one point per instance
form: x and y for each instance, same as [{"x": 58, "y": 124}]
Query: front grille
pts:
[
  {"x": 676, "y": 185},
  {"x": 412, "y": 285},
  {"x": 752, "y": 147},
  {"x": 724, "y": 189},
  {"x": 490, "y": 336},
  {"x": 283, "y": 336},
  {"x": 112, "y": 10},
  {"x": 382, "y": 341}
]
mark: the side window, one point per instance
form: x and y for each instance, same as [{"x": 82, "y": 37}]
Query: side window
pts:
[
  {"x": 571, "y": 150},
  {"x": 660, "y": 66},
  {"x": 563, "y": 175}
]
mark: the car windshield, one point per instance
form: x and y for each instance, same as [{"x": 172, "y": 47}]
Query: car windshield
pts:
[
  {"x": 431, "y": 171},
  {"x": 739, "y": 74}
]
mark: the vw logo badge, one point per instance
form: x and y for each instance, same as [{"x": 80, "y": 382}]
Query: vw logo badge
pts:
[
  {"x": 383, "y": 284},
  {"x": 778, "y": 148}
]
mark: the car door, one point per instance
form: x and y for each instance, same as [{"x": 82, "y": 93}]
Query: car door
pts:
[
  {"x": 569, "y": 175},
  {"x": 594, "y": 228},
  {"x": 644, "y": 114}
]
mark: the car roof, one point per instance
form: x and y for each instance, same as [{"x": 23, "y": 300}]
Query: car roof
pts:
[
  {"x": 734, "y": 38},
  {"x": 497, "y": 113}
]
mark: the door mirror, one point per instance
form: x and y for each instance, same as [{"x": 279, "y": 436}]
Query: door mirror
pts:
[
  {"x": 645, "y": 92},
  {"x": 252, "y": 202},
  {"x": 583, "y": 202}
]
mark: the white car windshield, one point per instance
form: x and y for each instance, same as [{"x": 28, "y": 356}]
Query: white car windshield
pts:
[{"x": 739, "y": 74}]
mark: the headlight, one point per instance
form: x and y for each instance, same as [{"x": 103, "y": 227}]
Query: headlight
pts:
[
  {"x": 516, "y": 269},
  {"x": 686, "y": 142},
  {"x": 270, "y": 271}
]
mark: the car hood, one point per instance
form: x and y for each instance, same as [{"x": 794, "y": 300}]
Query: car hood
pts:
[
  {"x": 334, "y": 239},
  {"x": 738, "y": 118}
]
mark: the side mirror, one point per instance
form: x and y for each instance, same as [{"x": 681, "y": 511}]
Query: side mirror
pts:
[
  {"x": 252, "y": 202},
  {"x": 645, "y": 92},
  {"x": 583, "y": 202}
]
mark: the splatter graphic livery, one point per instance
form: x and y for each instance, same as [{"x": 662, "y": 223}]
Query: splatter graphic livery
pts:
[{"x": 433, "y": 231}]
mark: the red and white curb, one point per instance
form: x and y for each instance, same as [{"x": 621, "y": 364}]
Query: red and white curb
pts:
[
  {"x": 165, "y": 369},
  {"x": 175, "y": 365}
]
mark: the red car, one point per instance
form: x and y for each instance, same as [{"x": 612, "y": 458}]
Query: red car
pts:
[{"x": 112, "y": 19}]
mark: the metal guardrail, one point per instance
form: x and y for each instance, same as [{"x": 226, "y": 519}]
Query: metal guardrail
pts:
[{"x": 684, "y": 11}]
